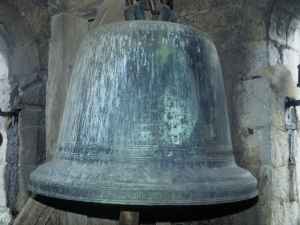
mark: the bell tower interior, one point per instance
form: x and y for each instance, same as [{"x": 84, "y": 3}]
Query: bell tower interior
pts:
[{"x": 259, "y": 50}]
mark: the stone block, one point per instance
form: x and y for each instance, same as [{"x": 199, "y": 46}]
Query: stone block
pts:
[
  {"x": 20, "y": 32},
  {"x": 280, "y": 20},
  {"x": 24, "y": 5},
  {"x": 23, "y": 194},
  {"x": 261, "y": 3},
  {"x": 279, "y": 144},
  {"x": 231, "y": 16},
  {"x": 262, "y": 99},
  {"x": 68, "y": 32},
  {"x": 264, "y": 146},
  {"x": 25, "y": 81},
  {"x": 274, "y": 54},
  {"x": 5, "y": 40},
  {"x": 55, "y": 7},
  {"x": 32, "y": 116},
  {"x": 8, "y": 12},
  {"x": 227, "y": 36},
  {"x": 33, "y": 94},
  {"x": 190, "y": 7},
  {"x": 39, "y": 20},
  {"x": 85, "y": 8},
  {"x": 28, "y": 155},
  {"x": 251, "y": 31},
  {"x": 5, "y": 217},
  {"x": 32, "y": 145},
  {"x": 255, "y": 103},
  {"x": 88, "y": 11},
  {"x": 276, "y": 188},
  {"x": 290, "y": 6},
  {"x": 2, "y": 186},
  {"x": 297, "y": 152},
  {"x": 3, "y": 146},
  {"x": 40, "y": 156},
  {"x": 293, "y": 35},
  {"x": 218, "y": 4},
  {"x": 290, "y": 59},
  {"x": 28, "y": 138},
  {"x": 181, "y": 14},
  {"x": 282, "y": 85},
  {"x": 110, "y": 11},
  {"x": 5, "y": 87},
  {"x": 244, "y": 60},
  {"x": 35, "y": 155},
  {"x": 284, "y": 213},
  {"x": 25, "y": 60}
]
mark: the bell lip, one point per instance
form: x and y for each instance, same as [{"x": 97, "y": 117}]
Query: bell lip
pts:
[
  {"x": 163, "y": 203},
  {"x": 242, "y": 188}
]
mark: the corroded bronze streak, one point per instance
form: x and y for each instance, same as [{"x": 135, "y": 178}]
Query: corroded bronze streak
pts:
[{"x": 150, "y": 126}]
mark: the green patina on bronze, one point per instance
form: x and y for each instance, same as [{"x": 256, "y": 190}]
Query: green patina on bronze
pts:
[{"x": 145, "y": 122}]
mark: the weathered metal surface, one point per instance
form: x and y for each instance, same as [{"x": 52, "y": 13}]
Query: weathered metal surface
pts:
[
  {"x": 145, "y": 122},
  {"x": 160, "y": 10}
]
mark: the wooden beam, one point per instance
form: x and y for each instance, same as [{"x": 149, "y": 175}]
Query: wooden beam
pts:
[
  {"x": 86, "y": 9},
  {"x": 34, "y": 212},
  {"x": 129, "y": 218}
]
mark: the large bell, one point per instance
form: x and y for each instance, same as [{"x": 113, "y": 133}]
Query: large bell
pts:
[{"x": 145, "y": 122}]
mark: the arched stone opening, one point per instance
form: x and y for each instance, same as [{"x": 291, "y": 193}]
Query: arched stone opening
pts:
[
  {"x": 19, "y": 52},
  {"x": 5, "y": 90}
]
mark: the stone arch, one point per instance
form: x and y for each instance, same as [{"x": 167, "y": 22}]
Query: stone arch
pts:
[
  {"x": 285, "y": 35},
  {"x": 27, "y": 87}
]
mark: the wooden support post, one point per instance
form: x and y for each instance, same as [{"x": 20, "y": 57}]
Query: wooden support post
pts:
[{"x": 129, "y": 218}]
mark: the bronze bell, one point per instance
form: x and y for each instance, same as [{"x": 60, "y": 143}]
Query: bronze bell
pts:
[{"x": 145, "y": 122}]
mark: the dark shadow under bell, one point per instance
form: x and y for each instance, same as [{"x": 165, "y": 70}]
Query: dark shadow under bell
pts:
[{"x": 150, "y": 214}]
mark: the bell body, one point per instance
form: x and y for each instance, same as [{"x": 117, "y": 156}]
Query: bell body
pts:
[{"x": 145, "y": 122}]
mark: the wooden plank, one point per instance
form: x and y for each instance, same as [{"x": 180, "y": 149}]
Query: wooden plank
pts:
[
  {"x": 98, "y": 221},
  {"x": 129, "y": 218},
  {"x": 67, "y": 33},
  {"x": 45, "y": 215},
  {"x": 76, "y": 219},
  {"x": 58, "y": 217},
  {"x": 32, "y": 211}
]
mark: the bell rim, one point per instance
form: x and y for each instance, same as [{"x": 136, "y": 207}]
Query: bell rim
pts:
[{"x": 111, "y": 192}]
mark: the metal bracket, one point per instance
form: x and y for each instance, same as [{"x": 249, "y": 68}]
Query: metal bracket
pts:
[
  {"x": 139, "y": 10},
  {"x": 13, "y": 113},
  {"x": 291, "y": 121},
  {"x": 160, "y": 10},
  {"x": 290, "y": 102},
  {"x": 290, "y": 116}
]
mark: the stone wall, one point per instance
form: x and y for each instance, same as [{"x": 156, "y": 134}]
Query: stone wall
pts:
[
  {"x": 24, "y": 31},
  {"x": 256, "y": 42},
  {"x": 257, "y": 45},
  {"x": 5, "y": 88}
]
